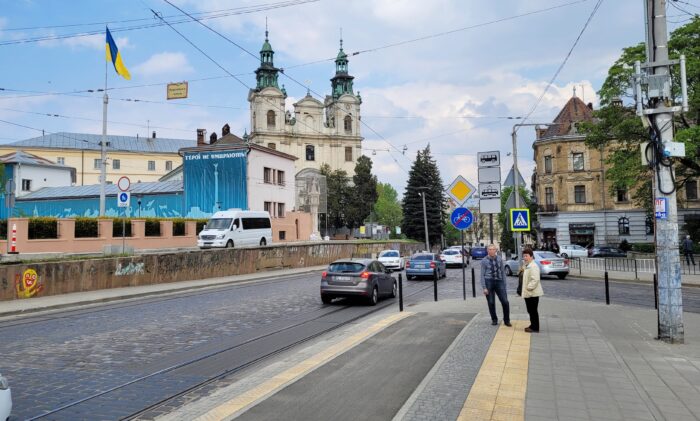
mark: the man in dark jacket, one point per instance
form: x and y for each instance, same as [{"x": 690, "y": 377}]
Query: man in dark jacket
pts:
[
  {"x": 688, "y": 250},
  {"x": 493, "y": 282}
]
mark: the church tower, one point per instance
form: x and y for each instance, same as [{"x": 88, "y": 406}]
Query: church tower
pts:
[
  {"x": 267, "y": 99},
  {"x": 343, "y": 106}
]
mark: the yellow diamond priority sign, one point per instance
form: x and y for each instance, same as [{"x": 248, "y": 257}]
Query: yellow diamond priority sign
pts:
[{"x": 460, "y": 190}]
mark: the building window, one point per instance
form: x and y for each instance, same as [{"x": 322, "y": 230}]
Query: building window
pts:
[
  {"x": 151, "y": 165},
  {"x": 578, "y": 161},
  {"x": 280, "y": 178},
  {"x": 622, "y": 195},
  {"x": 348, "y": 154},
  {"x": 61, "y": 160},
  {"x": 548, "y": 196},
  {"x": 580, "y": 194},
  {"x": 96, "y": 164},
  {"x": 116, "y": 164},
  {"x": 691, "y": 190},
  {"x": 168, "y": 165},
  {"x": 283, "y": 235},
  {"x": 270, "y": 119},
  {"x": 26, "y": 185},
  {"x": 547, "y": 164},
  {"x": 272, "y": 145},
  {"x": 649, "y": 225},
  {"x": 310, "y": 153},
  {"x": 623, "y": 226},
  {"x": 347, "y": 123},
  {"x": 280, "y": 210},
  {"x": 267, "y": 175},
  {"x": 267, "y": 207}
]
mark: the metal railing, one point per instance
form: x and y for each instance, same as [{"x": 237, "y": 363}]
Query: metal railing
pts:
[{"x": 621, "y": 264}]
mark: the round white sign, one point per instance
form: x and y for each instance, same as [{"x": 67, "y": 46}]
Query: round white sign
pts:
[{"x": 124, "y": 183}]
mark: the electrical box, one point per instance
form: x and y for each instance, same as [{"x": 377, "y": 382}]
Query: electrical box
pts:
[
  {"x": 674, "y": 149},
  {"x": 659, "y": 86}
]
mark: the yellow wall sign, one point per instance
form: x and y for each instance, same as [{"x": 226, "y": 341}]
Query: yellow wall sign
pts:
[{"x": 177, "y": 90}]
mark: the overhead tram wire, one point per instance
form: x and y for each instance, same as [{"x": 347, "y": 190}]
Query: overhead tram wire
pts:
[{"x": 566, "y": 59}]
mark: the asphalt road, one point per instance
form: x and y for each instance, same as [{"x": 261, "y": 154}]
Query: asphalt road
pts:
[{"x": 167, "y": 345}]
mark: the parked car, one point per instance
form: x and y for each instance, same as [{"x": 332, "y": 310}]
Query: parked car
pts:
[
  {"x": 452, "y": 257},
  {"x": 357, "y": 277},
  {"x": 478, "y": 252},
  {"x": 425, "y": 264},
  {"x": 5, "y": 399},
  {"x": 236, "y": 228},
  {"x": 606, "y": 251},
  {"x": 391, "y": 259},
  {"x": 549, "y": 263},
  {"x": 572, "y": 250},
  {"x": 461, "y": 249}
]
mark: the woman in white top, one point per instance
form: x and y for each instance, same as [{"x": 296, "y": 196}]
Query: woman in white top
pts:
[{"x": 532, "y": 289}]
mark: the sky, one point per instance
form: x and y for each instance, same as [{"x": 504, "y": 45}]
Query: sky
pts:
[{"x": 448, "y": 73}]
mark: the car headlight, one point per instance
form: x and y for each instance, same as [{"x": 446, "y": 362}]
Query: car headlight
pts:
[
  {"x": 4, "y": 385},
  {"x": 220, "y": 236}
]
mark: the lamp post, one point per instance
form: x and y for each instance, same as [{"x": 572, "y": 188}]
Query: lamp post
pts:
[{"x": 425, "y": 219}]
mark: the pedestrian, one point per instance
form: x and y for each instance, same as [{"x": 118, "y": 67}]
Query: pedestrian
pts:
[
  {"x": 688, "y": 250},
  {"x": 493, "y": 282},
  {"x": 532, "y": 290},
  {"x": 555, "y": 247}
]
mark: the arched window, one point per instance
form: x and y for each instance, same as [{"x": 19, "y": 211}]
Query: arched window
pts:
[
  {"x": 348, "y": 124},
  {"x": 270, "y": 119},
  {"x": 310, "y": 153},
  {"x": 623, "y": 226}
]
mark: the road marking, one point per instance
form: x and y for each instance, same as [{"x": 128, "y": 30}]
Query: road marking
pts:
[
  {"x": 499, "y": 389},
  {"x": 250, "y": 398}
]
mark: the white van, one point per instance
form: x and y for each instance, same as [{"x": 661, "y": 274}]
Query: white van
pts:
[{"x": 236, "y": 228}]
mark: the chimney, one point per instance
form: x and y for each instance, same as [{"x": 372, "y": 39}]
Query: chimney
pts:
[
  {"x": 212, "y": 138},
  {"x": 154, "y": 135},
  {"x": 200, "y": 136},
  {"x": 540, "y": 131},
  {"x": 225, "y": 130}
]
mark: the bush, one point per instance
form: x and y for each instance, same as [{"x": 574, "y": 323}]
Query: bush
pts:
[
  {"x": 43, "y": 227},
  {"x": 178, "y": 227},
  {"x": 625, "y": 245},
  {"x": 117, "y": 227},
  {"x": 643, "y": 247},
  {"x": 86, "y": 228},
  {"x": 152, "y": 227}
]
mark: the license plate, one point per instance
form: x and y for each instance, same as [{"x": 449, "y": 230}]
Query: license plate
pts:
[
  {"x": 558, "y": 265},
  {"x": 342, "y": 278}
]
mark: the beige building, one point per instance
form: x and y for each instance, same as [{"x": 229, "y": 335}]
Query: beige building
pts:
[
  {"x": 575, "y": 204},
  {"x": 140, "y": 159}
]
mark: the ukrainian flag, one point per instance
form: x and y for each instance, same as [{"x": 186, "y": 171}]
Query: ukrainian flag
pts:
[{"x": 116, "y": 58}]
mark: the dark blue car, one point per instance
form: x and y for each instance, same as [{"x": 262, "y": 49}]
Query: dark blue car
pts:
[{"x": 478, "y": 253}]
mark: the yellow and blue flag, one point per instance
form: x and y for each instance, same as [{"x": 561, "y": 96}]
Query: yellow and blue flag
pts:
[{"x": 116, "y": 58}]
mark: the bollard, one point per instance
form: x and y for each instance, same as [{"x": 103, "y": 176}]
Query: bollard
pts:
[
  {"x": 607, "y": 289},
  {"x": 580, "y": 265},
  {"x": 435, "y": 279},
  {"x": 464, "y": 280},
  {"x": 400, "y": 292},
  {"x": 656, "y": 292},
  {"x": 473, "y": 285},
  {"x": 13, "y": 248},
  {"x": 635, "y": 269}
]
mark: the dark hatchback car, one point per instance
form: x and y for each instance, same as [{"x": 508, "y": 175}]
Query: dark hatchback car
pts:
[
  {"x": 357, "y": 278},
  {"x": 606, "y": 252},
  {"x": 478, "y": 253}
]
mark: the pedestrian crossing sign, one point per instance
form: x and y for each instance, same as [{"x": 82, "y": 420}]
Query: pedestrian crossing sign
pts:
[{"x": 520, "y": 219}]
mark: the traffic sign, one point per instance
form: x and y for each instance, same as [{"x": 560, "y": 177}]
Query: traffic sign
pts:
[
  {"x": 489, "y": 190},
  {"x": 520, "y": 219},
  {"x": 490, "y": 175},
  {"x": 489, "y": 206},
  {"x": 460, "y": 190},
  {"x": 488, "y": 159},
  {"x": 124, "y": 183},
  {"x": 123, "y": 199},
  {"x": 462, "y": 218}
]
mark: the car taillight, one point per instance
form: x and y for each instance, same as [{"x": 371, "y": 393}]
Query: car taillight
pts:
[
  {"x": 323, "y": 275},
  {"x": 364, "y": 275},
  {"x": 408, "y": 263},
  {"x": 566, "y": 262},
  {"x": 546, "y": 262},
  {"x": 432, "y": 265}
]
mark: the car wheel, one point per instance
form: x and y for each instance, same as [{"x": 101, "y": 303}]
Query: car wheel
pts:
[
  {"x": 326, "y": 299},
  {"x": 374, "y": 297},
  {"x": 394, "y": 288},
  {"x": 564, "y": 255},
  {"x": 561, "y": 275},
  {"x": 229, "y": 244},
  {"x": 263, "y": 242}
]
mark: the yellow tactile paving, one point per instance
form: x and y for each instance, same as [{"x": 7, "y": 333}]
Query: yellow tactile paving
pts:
[
  {"x": 499, "y": 389},
  {"x": 243, "y": 401}
]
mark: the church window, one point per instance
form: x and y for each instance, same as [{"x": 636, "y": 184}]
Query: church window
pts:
[
  {"x": 270, "y": 119},
  {"x": 272, "y": 145},
  {"x": 348, "y": 153},
  {"x": 310, "y": 153},
  {"x": 348, "y": 124}
]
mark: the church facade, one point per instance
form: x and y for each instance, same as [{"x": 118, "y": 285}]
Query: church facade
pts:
[{"x": 315, "y": 132}]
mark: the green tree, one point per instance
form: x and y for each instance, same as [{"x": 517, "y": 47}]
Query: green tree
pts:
[
  {"x": 338, "y": 196},
  {"x": 387, "y": 208},
  {"x": 364, "y": 193},
  {"x": 424, "y": 178}
]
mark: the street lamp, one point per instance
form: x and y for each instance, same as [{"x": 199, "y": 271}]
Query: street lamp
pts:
[{"x": 425, "y": 218}]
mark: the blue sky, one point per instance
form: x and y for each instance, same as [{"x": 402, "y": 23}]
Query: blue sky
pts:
[{"x": 414, "y": 94}]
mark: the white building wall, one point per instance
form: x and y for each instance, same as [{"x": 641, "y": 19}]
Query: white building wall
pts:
[
  {"x": 260, "y": 192},
  {"x": 40, "y": 177}
]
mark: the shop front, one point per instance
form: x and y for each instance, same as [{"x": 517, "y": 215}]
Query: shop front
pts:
[{"x": 582, "y": 234}]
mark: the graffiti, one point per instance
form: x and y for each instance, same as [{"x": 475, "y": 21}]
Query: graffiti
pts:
[
  {"x": 130, "y": 269},
  {"x": 28, "y": 284}
]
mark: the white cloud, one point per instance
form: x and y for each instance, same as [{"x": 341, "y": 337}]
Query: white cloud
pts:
[{"x": 165, "y": 63}]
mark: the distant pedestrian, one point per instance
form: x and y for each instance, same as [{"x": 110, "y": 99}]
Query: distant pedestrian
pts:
[
  {"x": 555, "y": 247},
  {"x": 493, "y": 282},
  {"x": 688, "y": 250},
  {"x": 532, "y": 290}
]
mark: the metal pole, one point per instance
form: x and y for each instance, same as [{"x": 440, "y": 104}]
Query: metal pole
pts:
[
  {"x": 516, "y": 186},
  {"x": 473, "y": 285},
  {"x": 400, "y": 292},
  {"x": 607, "y": 289},
  {"x": 103, "y": 153},
  {"x": 435, "y": 279},
  {"x": 656, "y": 293},
  {"x": 671, "y": 303},
  {"x": 491, "y": 227},
  {"x": 124, "y": 233},
  {"x": 464, "y": 274},
  {"x": 425, "y": 223}
]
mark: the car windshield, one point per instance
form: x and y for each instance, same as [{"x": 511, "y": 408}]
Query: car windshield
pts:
[
  {"x": 389, "y": 253},
  {"x": 346, "y": 267},
  {"x": 450, "y": 252},
  {"x": 546, "y": 255},
  {"x": 219, "y": 223},
  {"x": 422, "y": 257}
]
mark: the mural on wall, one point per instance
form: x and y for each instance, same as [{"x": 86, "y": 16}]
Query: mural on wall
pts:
[
  {"x": 28, "y": 284},
  {"x": 214, "y": 180}
]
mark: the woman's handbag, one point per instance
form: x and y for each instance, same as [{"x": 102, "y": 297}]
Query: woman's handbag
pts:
[{"x": 519, "y": 291}]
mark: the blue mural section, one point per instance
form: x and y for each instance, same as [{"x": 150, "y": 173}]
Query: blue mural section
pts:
[{"x": 214, "y": 180}]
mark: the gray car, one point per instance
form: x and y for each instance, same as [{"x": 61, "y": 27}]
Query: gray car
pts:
[
  {"x": 549, "y": 263},
  {"x": 357, "y": 278}
]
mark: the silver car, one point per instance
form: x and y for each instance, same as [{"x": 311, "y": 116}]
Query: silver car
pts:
[
  {"x": 357, "y": 277},
  {"x": 5, "y": 399},
  {"x": 549, "y": 263}
]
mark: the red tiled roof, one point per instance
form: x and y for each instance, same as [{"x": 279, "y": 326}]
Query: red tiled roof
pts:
[{"x": 574, "y": 111}]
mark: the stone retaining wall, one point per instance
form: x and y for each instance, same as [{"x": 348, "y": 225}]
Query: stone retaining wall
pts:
[{"x": 28, "y": 280}]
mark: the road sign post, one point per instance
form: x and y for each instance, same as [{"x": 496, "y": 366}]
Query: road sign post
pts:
[{"x": 489, "y": 185}]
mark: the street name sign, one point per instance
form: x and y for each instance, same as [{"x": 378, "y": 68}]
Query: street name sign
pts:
[
  {"x": 123, "y": 199},
  {"x": 462, "y": 218},
  {"x": 460, "y": 190},
  {"x": 488, "y": 159},
  {"x": 520, "y": 219}
]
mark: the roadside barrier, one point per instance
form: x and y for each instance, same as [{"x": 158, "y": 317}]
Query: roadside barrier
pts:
[{"x": 621, "y": 264}]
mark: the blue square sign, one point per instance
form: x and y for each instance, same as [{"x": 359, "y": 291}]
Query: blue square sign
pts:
[
  {"x": 661, "y": 208},
  {"x": 520, "y": 219}
]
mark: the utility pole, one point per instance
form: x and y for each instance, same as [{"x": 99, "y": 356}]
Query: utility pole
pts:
[
  {"x": 659, "y": 110},
  {"x": 425, "y": 218}
]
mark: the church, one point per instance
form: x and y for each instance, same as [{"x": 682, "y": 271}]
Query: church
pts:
[{"x": 316, "y": 132}]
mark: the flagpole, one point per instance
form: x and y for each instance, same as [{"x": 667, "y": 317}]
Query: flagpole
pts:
[{"x": 103, "y": 151}]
